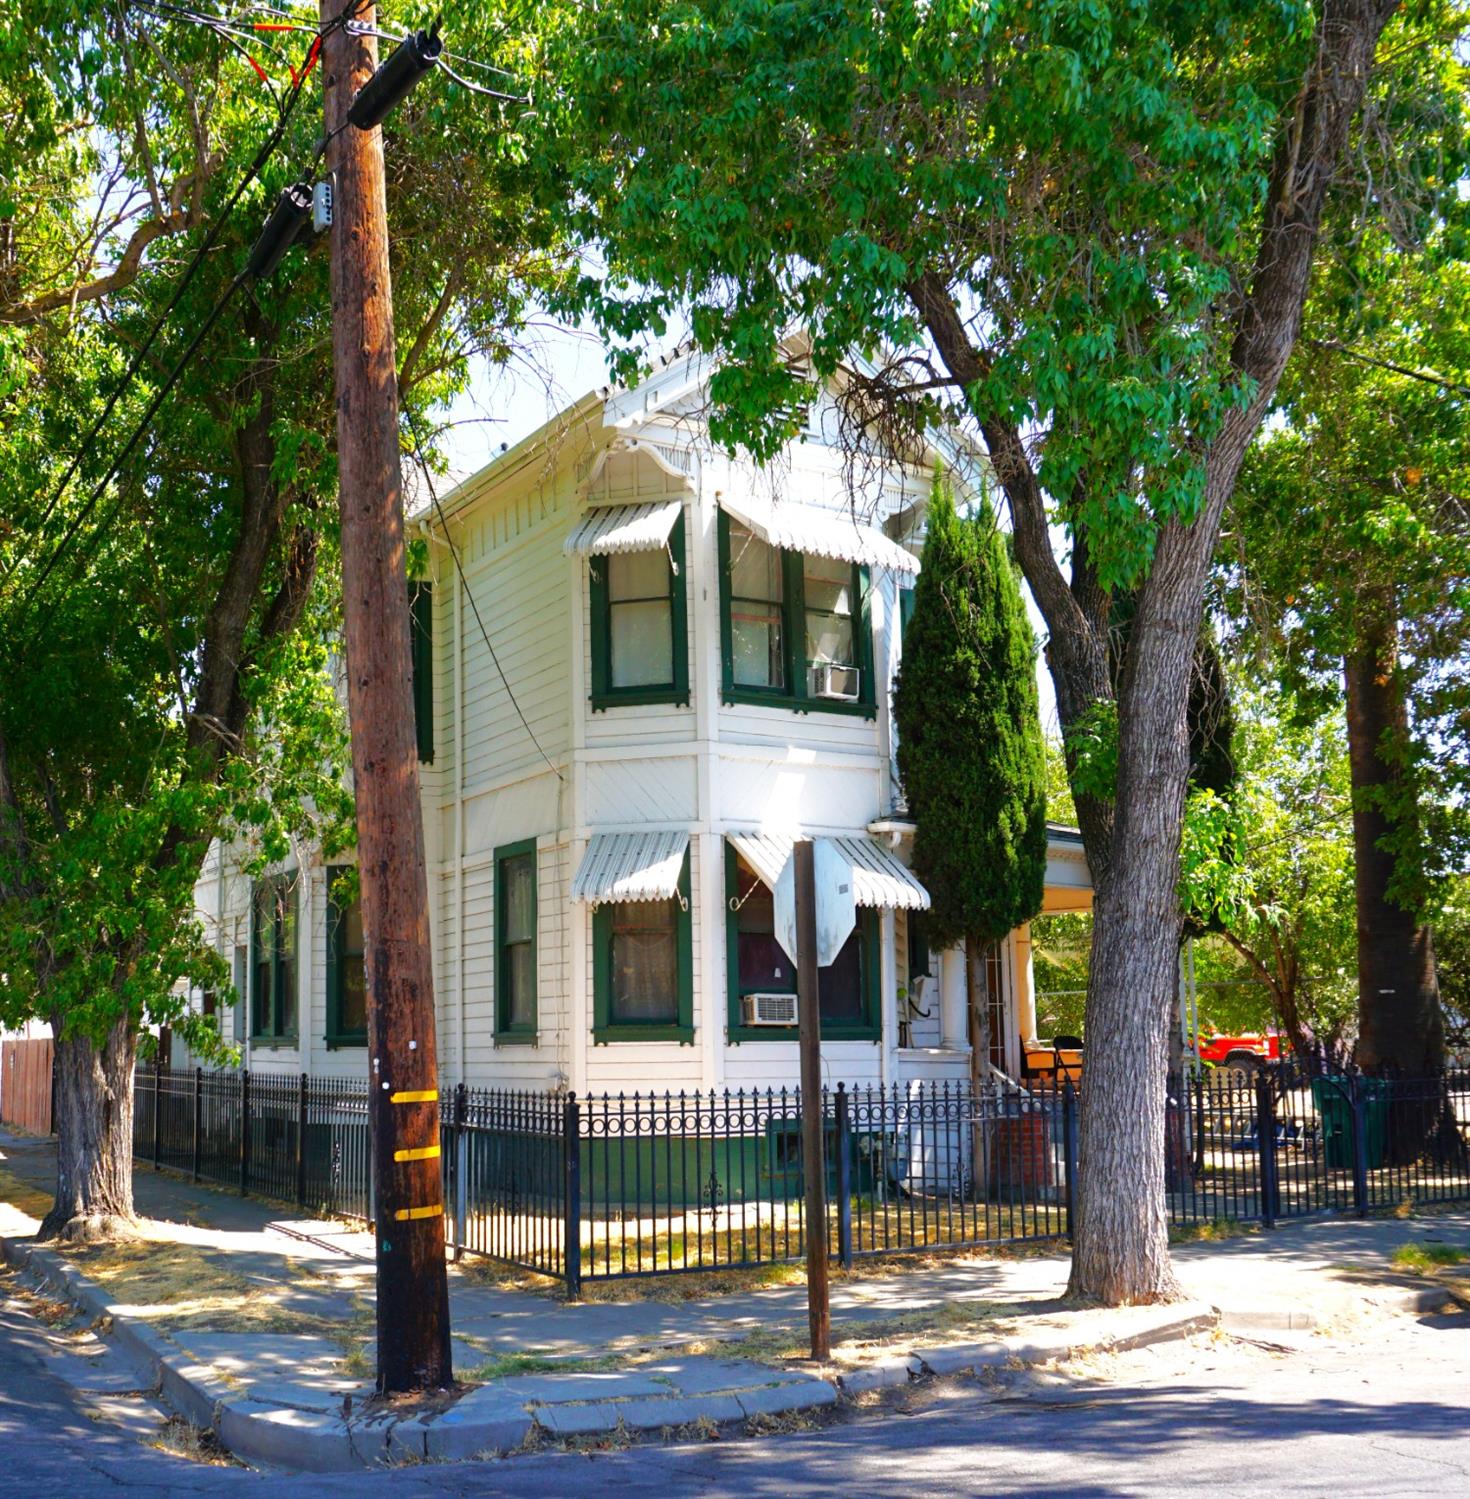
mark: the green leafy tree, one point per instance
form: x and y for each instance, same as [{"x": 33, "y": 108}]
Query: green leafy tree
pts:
[
  {"x": 971, "y": 753},
  {"x": 166, "y": 676},
  {"x": 1088, "y": 230},
  {"x": 1353, "y": 572},
  {"x": 1271, "y": 871}
]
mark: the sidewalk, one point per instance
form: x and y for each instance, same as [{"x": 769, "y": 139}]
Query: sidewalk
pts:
[{"x": 259, "y": 1324}]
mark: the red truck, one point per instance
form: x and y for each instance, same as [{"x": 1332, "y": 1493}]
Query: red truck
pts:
[{"x": 1243, "y": 1051}]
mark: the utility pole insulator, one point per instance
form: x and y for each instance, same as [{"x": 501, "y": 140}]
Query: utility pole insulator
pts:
[
  {"x": 287, "y": 219},
  {"x": 414, "y": 56}
]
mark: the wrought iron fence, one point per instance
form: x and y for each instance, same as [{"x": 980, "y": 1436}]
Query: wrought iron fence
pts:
[
  {"x": 1284, "y": 1143},
  {"x": 642, "y": 1184}
]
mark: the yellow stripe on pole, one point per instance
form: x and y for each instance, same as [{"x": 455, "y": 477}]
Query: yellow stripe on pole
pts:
[
  {"x": 422, "y": 1153},
  {"x": 404, "y": 1215},
  {"x": 418, "y": 1095}
]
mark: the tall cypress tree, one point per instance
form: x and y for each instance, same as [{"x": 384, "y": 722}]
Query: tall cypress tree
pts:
[{"x": 970, "y": 747}]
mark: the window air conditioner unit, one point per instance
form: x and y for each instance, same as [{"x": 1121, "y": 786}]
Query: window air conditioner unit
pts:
[
  {"x": 832, "y": 680},
  {"x": 769, "y": 1009}
]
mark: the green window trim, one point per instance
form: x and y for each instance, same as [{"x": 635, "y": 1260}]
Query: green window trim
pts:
[
  {"x": 604, "y": 695},
  {"x": 276, "y": 1029},
  {"x": 421, "y": 641},
  {"x": 870, "y": 934},
  {"x": 526, "y": 1033},
  {"x": 338, "y": 1034},
  {"x": 793, "y": 630},
  {"x": 604, "y": 1029}
]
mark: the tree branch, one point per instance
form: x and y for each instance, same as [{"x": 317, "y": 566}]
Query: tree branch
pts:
[{"x": 426, "y": 333}]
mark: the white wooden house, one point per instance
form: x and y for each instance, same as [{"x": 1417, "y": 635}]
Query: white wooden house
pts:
[{"x": 661, "y": 667}]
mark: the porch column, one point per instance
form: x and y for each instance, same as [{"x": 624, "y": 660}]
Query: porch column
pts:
[
  {"x": 1025, "y": 984},
  {"x": 954, "y": 1033}
]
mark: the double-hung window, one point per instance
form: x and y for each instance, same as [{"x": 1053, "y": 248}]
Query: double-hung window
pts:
[
  {"x": 273, "y": 959},
  {"x": 794, "y": 626},
  {"x": 757, "y": 612},
  {"x": 643, "y": 969},
  {"x": 640, "y": 633},
  {"x": 515, "y": 943},
  {"x": 346, "y": 975},
  {"x": 847, "y": 988}
]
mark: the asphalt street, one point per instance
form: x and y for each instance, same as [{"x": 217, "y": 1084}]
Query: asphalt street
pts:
[{"x": 1380, "y": 1408}]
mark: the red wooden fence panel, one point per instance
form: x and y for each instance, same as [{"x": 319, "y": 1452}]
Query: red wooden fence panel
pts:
[{"x": 25, "y": 1085}]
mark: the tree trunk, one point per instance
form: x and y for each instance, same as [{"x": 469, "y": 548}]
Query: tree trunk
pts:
[
  {"x": 1400, "y": 1024},
  {"x": 1120, "y": 1225},
  {"x": 94, "y": 1137}
]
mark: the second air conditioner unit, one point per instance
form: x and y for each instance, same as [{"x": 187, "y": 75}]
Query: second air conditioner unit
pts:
[
  {"x": 832, "y": 680},
  {"x": 768, "y": 1009}
]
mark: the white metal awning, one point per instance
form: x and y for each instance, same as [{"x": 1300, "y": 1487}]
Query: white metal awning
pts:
[
  {"x": 623, "y": 528},
  {"x": 630, "y": 867},
  {"x": 820, "y": 533},
  {"x": 879, "y": 878}
]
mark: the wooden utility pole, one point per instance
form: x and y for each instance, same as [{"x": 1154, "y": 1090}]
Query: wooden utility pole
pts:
[
  {"x": 809, "y": 1040},
  {"x": 403, "y": 1112}
]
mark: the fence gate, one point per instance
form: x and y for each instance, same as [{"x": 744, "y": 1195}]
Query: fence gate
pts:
[{"x": 25, "y": 1084}]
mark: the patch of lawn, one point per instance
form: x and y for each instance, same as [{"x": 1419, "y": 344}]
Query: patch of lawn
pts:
[
  {"x": 1422, "y": 1259},
  {"x": 507, "y": 1365}
]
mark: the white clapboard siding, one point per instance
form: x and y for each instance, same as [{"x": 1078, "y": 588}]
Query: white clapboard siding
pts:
[
  {"x": 521, "y": 594},
  {"x": 774, "y": 1064}
]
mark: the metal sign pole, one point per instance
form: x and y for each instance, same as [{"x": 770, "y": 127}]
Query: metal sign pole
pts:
[{"x": 809, "y": 1035}]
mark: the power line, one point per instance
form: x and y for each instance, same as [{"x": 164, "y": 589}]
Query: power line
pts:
[
  {"x": 138, "y": 430},
  {"x": 136, "y": 363},
  {"x": 418, "y": 452},
  {"x": 479, "y": 88},
  {"x": 101, "y": 487},
  {"x": 1427, "y": 376}
]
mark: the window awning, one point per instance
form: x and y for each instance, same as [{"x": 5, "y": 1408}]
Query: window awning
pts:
[
  {"x": 630, "y": 867},
  {"x": 821, "y": 533},
  {"x": 623, "y": 528},
  {"x": 879, "y": 878}
]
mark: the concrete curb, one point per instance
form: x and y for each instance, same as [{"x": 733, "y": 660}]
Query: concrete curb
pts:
[{"x": 497, "y": 1419}]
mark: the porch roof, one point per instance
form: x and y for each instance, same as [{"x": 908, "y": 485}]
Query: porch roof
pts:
[
  {"x": 623, "y": 528},
  {"x": 630, "y": 867},
  {"x": 879, "y": 878},
  {"x": 820, "y": 533}
]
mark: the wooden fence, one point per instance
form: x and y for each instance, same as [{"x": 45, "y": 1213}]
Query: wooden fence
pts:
[{"x": 25, "y": 1085}]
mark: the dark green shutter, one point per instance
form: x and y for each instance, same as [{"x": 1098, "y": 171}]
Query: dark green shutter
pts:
[
  {"x": 334, "y": 957},
  {"x": 421, "y": 628}
]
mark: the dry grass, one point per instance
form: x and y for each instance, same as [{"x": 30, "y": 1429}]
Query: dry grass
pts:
[
  {"x": 781, "y": 1423},
  {"x": 701, "y": 1285},
  {"x": 1212, "y": 1232},
  {"x": 156, "y": 1272},
  {"x": 695, "y": 1285},
  {"x": 196, "y": 1444},
  {"x": 851, "y": 1342},
  {"x": 22, "y": 1196}
]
